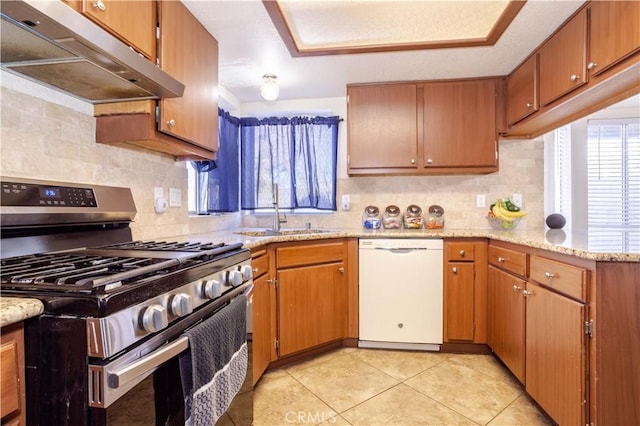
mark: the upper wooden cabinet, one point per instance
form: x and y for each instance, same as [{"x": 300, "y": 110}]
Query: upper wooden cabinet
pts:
[
  {"x": 563, "y": 60},
  {"x": 424, "y": 128},
  {"x": 133, "y": 22},
  {"x": 189, "y": 53},
  {"x": 459, "y": 125},
  {"x": 614, "y": 33},
  {"x": 185, "y": 127},
  {"x": 522, "y": 91},
  {"x": 382, "y": 126}
]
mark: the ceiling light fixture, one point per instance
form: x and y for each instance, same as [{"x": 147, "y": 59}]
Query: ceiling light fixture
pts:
[{"x": 269, "y": 89}]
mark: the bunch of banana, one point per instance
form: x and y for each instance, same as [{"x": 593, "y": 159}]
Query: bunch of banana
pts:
[{"x": 504, "y": 209}]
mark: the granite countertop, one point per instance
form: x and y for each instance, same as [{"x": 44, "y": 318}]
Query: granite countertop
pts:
[
  {"x": 16, "y": 309},
  {"x": 575, "y": 243}
]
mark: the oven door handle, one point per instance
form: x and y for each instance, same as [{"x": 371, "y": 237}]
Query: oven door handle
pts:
[{"x": 155, "y": 359}]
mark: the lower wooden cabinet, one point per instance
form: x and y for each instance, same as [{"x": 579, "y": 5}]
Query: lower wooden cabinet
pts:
[
  {"x": 262, "y": 347},
  {"x": 12, "y": 391},
  {"x": 507, "y": 320},
  {"x": 465, "y": 291},
  {"x": 311, "y": 306},
  {"x": 556, "y": 354}
]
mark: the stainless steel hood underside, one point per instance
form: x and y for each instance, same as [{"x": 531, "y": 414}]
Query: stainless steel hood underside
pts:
[{"x": 50, "y": 43}]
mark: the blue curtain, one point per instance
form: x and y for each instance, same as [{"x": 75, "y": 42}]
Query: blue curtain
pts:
[
  {"x": 298, "y": 154},
  {"x": 219, "y": 179}
]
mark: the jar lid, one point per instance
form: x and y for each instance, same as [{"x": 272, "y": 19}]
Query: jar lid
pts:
[
  {"x": 414, "y": 210},
  {"x": 436, "y": 210},
  {"x": 392, "y": 210},
  {"x": 371, "y": 210}
]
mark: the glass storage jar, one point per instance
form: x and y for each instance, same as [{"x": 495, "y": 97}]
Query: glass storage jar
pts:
[
  {"x": 371, "y": 218},
  {"x": 435, "y": 219},
  {"x": 392, "y": 219},
  {"x": 413, "y": 217}
]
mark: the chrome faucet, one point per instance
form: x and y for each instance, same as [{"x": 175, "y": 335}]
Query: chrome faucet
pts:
[{"x": 277, "y": 220}]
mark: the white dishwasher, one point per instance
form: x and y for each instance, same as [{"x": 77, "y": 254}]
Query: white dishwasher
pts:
[{"x": 400, "y": 293}]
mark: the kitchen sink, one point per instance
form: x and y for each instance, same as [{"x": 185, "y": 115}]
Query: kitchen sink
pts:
[{"x": 270, "y": 232}]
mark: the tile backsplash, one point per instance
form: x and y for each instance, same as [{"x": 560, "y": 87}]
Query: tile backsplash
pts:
[{"x": 44, "y": 140}]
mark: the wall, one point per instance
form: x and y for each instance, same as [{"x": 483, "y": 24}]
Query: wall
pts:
[
  {"x": 521, "y": 170},
  {"x": 52, "y": 136}
]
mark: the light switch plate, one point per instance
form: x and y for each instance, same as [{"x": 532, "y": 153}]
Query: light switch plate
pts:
[
  {"x": 481, "y": 200},
  {"x": 175, "y": 197}
]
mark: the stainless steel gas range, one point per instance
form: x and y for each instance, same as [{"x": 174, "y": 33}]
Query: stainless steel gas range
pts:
[{"x": 116, "y": 310}]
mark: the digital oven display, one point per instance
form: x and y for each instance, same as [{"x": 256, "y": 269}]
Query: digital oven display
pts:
[{"x": 50, "y": 193}]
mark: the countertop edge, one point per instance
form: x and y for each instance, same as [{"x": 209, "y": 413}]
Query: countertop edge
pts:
[{"x": 17, "y": 309}]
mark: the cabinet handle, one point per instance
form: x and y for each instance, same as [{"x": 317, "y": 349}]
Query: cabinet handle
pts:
[
  {"x": 171, "y": 122},
  {"x": 462, "y": 253},
  {"x": 255, "y": 270},
  {"x": 526, "y": 293},
  {"x": 574, "y": 77},
  {"x": 99, "y": 4},
  {"x": 502, "y": 259},
  {"x": 413, "y": 161},
  {"x": 516, "y": 287},
  {"x": 429, "y": 161},
  {"x": 529, "y": 105},
  {"x": 591, "y": 65},
  {"x": 454, "y": 270},
  {"x": 341, "y": 270},
  {"x": 549, "y": 275}
]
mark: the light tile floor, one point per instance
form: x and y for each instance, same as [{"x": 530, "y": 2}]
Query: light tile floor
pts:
[{"x": 380, "y": 387}]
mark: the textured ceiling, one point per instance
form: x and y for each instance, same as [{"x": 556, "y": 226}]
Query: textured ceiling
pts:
[
  {"x": 321, "y": 24},
  {"x": 250, "y": 46}
]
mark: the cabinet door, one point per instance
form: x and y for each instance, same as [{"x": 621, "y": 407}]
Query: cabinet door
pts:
[
  {"x": 556, "y": 355},
  {"x": 563, "y": 60},
  {"x": 133, "y": 22},
  {"x": 382, "y": 126},
  {"x": 507, "y": 320},
  {"x": 459, "y": 301},
  {"x": 311, "y": 306},
  {"x": 522, "y": 91},
  {"x": 190, "y": 54},
  {"x": 459, "y": 124},
  {"x": 263, "y": 341},
  {"x": 614, "y": 33}
]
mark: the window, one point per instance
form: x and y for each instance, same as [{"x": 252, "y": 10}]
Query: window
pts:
[
  {"x": 558, "y": 163},
  {"x": 613, "y": 171},
  {"x": 299, "y": 154}
]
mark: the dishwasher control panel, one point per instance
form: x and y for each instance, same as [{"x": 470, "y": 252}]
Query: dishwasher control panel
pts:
[{"x": 401, "y": 243}]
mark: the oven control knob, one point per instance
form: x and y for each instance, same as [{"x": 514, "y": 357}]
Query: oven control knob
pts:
[
  {"x": 234, "y": 278},
  {"x": 211, "y": 289},
  {"x": 247, "y": 272},
  {"x": 154, "y": 318},
  {"x": 181, "y": 305}
]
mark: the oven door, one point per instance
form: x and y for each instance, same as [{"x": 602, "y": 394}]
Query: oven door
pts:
[{"x": 143, "y": 385}]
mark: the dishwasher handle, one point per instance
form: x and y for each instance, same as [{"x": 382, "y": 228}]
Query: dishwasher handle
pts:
[{"x": 401, "y": 250}]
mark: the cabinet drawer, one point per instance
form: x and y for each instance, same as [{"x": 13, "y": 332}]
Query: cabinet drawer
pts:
[
  {"x": 260, "y": 265},
  {"x": 310, "y": 254},
  {"x": 566, "y": 279},
  {"x": 509, "y": 260},
  {"x": 460, "y": 251}
]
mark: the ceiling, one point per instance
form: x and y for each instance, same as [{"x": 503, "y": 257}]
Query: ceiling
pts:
[{"x": 250, "y": 46}]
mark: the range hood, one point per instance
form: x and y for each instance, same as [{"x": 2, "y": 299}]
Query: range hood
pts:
[{"x": 48, "y": 42}]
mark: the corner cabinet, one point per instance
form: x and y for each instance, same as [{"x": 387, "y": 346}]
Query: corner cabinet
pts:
[
  {"x": 439, "y": 127},
  {"x": 312, "y": 295},
  {"x": 185, "y": 127},
  {"x": 465, "y": 292},
  {"x": 522, "y": 91}
]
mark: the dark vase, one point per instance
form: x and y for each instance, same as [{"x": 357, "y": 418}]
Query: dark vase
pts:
[{"x": 555, "y": 221}]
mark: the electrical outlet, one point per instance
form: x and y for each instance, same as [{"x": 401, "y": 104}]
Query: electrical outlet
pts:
[
  {"x": 517, "y": 199},
  {"x": 346, "y": 202},
  {"x": 481, "y": 201},
  {"x": 158, "y": 192}
]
